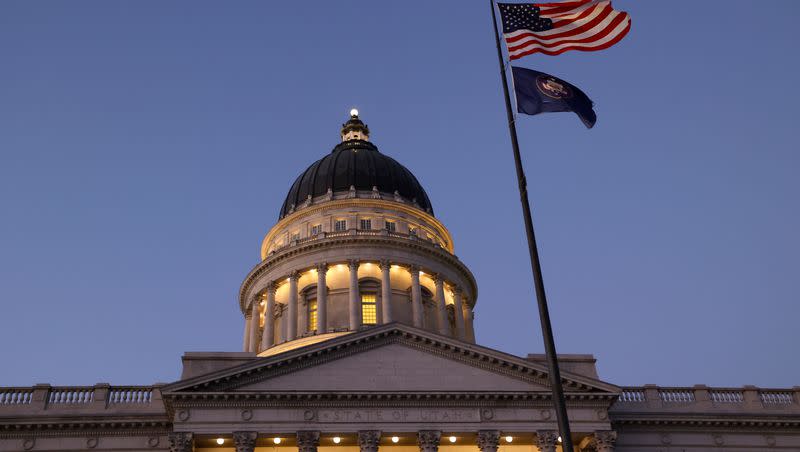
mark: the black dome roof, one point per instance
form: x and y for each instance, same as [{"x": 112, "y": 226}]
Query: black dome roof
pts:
[{"x": 355, "y": 163}]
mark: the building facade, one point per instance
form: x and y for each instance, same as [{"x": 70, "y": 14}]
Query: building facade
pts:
[{"x": 358, "y": 335}]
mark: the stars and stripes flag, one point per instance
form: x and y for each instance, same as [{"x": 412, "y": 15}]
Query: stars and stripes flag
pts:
[{"x": 554, "y": 28}]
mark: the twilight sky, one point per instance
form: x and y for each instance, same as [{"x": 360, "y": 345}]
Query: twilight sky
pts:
[{"x": 146, "y": 148}]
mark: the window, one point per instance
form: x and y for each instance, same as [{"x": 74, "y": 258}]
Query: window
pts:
[
  {"x": 340, "y": 225},
  {"x": 366, "y": 224},
  {"x": 312, "y": 314},
  {"x": 391, "y": 226},
  {"x": 316, "y": 229},
  {"x": 369, "y": 312},
  {"x": 412, "y": 230}
]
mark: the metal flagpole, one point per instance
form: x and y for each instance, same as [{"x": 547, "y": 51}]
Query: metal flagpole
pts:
[{"x": 544, "y": 314}]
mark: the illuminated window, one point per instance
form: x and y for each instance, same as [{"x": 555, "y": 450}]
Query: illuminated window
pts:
[
  {"x": 340, "y": 225},
  {"x": 366, "y": 224},
  {"x": 412, "y": 230},
  {"x": 369, "y": 312},
  {"x": 391, "y": 226},
  {"x": 312, "y": 314},
  {"x": 316, "y": 229}
]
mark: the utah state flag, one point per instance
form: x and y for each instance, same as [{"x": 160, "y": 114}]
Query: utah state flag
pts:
[{"x": 538, "y": 92}]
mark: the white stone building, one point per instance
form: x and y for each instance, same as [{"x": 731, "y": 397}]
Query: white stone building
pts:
[{"x": 359, "y": 335}]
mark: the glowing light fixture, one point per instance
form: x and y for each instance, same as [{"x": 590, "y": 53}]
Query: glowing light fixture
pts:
[
  {"x": 220, "y": 441},
  {"x": 509, "y": 439},
  {"x": 452, "y": 439},
  {"x": 395, "y": 439},
  {"x": 559, "y": 439},
  {"x": 337, "y": 440},
  {"x": 354, "y": 112},
  {"x": 276, "y": 440}
]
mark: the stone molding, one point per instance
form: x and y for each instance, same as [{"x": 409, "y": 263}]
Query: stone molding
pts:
[
  {"x": 181, "y": 442},
  {"x": 307, "y": 440},
  {"x": 488, "y": 440},
  {"x": 428, "y": 440},
  {"x": 369, "y": 440},
  {"x": 546, "y": 440},
  {"x": 245, "y": 441}
]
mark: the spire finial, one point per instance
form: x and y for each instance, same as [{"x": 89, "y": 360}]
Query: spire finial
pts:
[{"x": 354, "y": 129}]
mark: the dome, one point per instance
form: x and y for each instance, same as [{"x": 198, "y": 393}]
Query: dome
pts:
[{"x": 355, "y": 163}]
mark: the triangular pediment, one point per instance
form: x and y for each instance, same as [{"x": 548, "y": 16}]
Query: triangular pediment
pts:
[{"x": 392, "y": 358}]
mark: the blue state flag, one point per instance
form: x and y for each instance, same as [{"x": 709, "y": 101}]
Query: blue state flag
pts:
[{"x": 538, "y": 92}]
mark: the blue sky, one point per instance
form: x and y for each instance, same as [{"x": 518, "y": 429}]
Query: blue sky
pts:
[{"x": 146, "y": 148}]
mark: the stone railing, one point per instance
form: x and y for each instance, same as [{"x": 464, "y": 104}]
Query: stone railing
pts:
[
  {"x": 83, "y": 399},
  {"x": 700, "y": 398},
  {"x": 355, "y": 232}
]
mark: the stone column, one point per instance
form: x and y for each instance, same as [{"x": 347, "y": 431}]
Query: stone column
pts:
[
  {"x": 246, "y": 342},
  {"x": 268, "y": 339},
  {"x": 546, "y": 440},
  {"x": 604, "y": 440},
  {"x": 291, "y": 326},
  {"x": 355, "y": 297},
  {"x": 416, "y": 297},
  {"x": 441, "y": 307},
  {"x": 470, "y": 325},
  {"x": 322, "y": 298},
  {"x": 180, "y": 442},
  {"x": 369, "y": 440},
  {"x": 245, "y": 441},
  {"x": 255, "y": 315},
  {"x": 428, "y": 440},
  {"x": 307, "y": 441},
  {"x": 458, "y": 312},
  {"x": 386, "y": 292},
  {"x": 488, "y": 440}
]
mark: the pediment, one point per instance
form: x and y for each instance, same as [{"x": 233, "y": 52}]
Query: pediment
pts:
[{"x": 389, "y": 359}]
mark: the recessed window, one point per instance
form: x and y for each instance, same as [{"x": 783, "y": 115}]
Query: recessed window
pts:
[
  {"x": 366, "y": 224},
  {"x": 312, "y": 314},
  {"x": 316, "y": 229},
  {"x": 369, "y": 311},
  {"x": 340, "y": 225},
  {"x": 391, "y": 226}
]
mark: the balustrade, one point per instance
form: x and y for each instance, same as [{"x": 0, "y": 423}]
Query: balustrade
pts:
[
  {"x": 67, "y": 395},
  {"x": 16, "y": 396},
  {"x": 727, "y": 396},
  {"x": 130, "y": 395}
]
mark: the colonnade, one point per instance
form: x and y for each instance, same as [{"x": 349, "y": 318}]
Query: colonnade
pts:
[
  {"x": 266, "y": 340},
  {"x": 426, "y": 440}
]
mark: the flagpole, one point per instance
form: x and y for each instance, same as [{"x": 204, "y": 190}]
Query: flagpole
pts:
[{"x": 544, "y": 314}]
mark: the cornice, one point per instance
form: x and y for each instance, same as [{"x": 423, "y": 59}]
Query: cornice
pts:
[
  {"x": 51, "y": 428},
  {"x": 361, "y": 240},
  {"x": 702, "y": 421},
  {"x": 356, "y": 202}
]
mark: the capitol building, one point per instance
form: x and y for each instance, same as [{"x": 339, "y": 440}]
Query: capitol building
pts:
[{"x": 358, "y": 335}]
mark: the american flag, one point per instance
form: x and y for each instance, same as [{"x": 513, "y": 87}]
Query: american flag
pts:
[{"x": 554, "y": 28}]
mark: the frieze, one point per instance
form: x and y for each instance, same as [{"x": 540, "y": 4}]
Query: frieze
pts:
[{"x": 399, "y": 415}]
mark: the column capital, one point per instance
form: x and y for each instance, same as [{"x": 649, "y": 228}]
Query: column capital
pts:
[
  {"x": 384, "y": 264},
  {"x": 428, "y": 440},
  {"x": 180, "y": 442},
  {"x": 369, "y": 440},
  {"x": 294, "y": 275},
  {"x": 604, "y": 440},
  {"x": 271, "y": 286},
  {"x": 322, "y": 267},
  {"x": 546, "y": 440},
  {"x": 458, "y": 291},
  {"x": 488, "y": 440},
  {"x": 245, "y": 441},
  {"x": 414, "y": 269},
  {"x": 353, "y": 264},
  {"x": 437, "y": 278},
  {"x": 307, "y": 440}
]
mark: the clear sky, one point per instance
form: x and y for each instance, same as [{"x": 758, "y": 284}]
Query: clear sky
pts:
[{"x": 146, "y": 148}]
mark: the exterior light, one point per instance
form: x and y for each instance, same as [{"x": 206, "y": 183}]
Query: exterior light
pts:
[
  {"x": 395, "y": 439},
  {"x": 220, "y": 441},
  {"x": 337, "y": 440},
  {"x": 276, "y": 440},
  {"x": 452, "y": 439},
  {"x": 509, "y": 439},
  {"x": 559, "y": 439},
  {"x": 354, "y": 112}
]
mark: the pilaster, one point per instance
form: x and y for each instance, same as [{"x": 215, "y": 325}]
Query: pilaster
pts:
[
  {"x": 369, "y": 440},
  {"x": 245, "y": 441},
  {"x": 307, "y": 440},
  {"x": 488, "y": 440},
  {"x": 428, "y": 440},
  {"x": 546, "y": 440}
]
